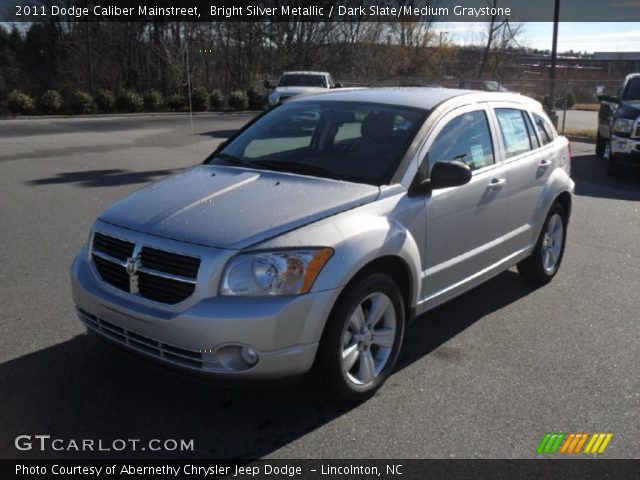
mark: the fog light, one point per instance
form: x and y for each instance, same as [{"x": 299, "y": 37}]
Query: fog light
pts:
[{"x": 249, "y": 355}]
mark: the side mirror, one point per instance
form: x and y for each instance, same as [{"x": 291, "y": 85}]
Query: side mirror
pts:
[
  {"x": 608, "y": 98},
  {"x": 338, "y": 85},
  {"x": 267, "y": 84},
  {"x": 443, "y": 175},
  {"x": 449, "y": 174}
]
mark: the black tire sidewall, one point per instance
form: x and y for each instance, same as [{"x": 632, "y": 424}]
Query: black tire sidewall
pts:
[{"x": 600, "y": 144}]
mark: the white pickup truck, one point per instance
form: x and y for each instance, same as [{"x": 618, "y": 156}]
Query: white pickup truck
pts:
[{"x": 295, "y": 83}]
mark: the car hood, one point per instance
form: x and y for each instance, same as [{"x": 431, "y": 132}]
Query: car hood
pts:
[
  {"x": 628, "y": 109},
  {"x": 297, "y": 90},
  {"x": 229, "y": 207}
]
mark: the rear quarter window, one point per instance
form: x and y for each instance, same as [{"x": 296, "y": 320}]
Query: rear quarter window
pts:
[
  {"x": 544, "y": 129},
  {"x": 514, "y": 131}
]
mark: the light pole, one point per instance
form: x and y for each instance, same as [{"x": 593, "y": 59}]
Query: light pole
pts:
[{"x": 554, "y": 58}]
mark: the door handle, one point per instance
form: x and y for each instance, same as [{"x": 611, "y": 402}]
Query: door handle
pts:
[
  {"x": 497, "y": 183},
  {"x": 545, "y": 163}
]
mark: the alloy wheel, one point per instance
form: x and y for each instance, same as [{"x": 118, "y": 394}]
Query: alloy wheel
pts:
[
  {"x": 368, "y": 339},
  {"x": 552, "y": 243}
]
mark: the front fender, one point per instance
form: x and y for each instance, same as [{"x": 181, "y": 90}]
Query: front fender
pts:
[{"x": 362, "y": 235}]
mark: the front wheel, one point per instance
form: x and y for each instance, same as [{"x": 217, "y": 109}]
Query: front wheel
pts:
[
  {"x": 542, "y": 265},
  {"x": 600, "y": 146},
  {"x": 362, "y": 339}
]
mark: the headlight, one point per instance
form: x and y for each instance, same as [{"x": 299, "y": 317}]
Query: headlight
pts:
[
  {"x": 274, "y": 273},
  {"x": 623, "y": 125}
]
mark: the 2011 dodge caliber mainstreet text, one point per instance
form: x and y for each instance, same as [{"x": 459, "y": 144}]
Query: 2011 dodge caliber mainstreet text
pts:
[{"x": 307, "y": 241}]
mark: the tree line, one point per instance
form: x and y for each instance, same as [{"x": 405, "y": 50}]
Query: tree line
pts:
[{"x": 168, "y": 57}]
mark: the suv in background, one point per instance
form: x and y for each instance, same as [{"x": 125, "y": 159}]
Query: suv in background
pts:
[
  {"x": 618, "y": 139},
  {"x": 295, "y": 83}
]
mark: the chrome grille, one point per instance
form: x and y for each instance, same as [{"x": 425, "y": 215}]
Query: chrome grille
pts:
[
  {"x": 170, "y": 262},
  {"x": 115, "y": 247},
  {"x": 165, "y": 290},
  {"x": 155, "y": 274},
  {"x": 144, "y": 344},
  {"x": 112, "y": 273}
]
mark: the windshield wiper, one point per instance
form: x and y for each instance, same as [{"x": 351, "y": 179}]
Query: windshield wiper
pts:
[
  {"x": 230, "y": 159},
  {"x": 295, "y": 167}
]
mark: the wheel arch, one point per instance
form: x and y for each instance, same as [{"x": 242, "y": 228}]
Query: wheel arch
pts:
[
  {"x": 557, "y": 188},
  {"x": 395, "y": 267},
  {"x": 565, "y": 200}
]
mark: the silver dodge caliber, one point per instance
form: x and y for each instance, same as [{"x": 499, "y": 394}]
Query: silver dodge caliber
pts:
[{"x": 308, "y": 241}]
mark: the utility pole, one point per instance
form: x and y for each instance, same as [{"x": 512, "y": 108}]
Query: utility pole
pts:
[
  {"x": 87, "y": 41},
  {"x": 554, "y": 59}
]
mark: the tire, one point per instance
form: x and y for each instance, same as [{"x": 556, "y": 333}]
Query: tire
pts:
[
  {"x": 600, "y": 144},
  {"x": 347, "y": 339},
  {"x": 544, "y": 262}
]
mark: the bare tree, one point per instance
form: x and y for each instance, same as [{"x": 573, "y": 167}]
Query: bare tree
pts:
[{"x": 500, "y": 35}]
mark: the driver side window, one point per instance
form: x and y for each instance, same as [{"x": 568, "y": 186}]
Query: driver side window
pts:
[{"x": 466, "y": 139}]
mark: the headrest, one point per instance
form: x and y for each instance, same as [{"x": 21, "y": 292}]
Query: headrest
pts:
[{"x": 377, "y": 126}]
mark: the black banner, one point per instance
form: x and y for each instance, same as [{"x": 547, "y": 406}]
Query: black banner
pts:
[
  {"x": 316, "y": 10},
  {"x": 320, "y": 469}
]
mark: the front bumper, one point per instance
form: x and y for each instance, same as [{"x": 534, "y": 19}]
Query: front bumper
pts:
[
  {"x": 626, "y": 150},
  {"x": 207, "y": 336}
]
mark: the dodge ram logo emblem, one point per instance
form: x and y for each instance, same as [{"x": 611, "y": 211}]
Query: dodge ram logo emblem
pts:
[{"x": 132, "y": 266}]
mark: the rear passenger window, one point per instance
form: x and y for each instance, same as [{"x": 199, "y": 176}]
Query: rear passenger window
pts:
[
  {"x": 514, "y": 131},
  {"x": 466, "y": 139},
  {"x": 546, "y": 134}
]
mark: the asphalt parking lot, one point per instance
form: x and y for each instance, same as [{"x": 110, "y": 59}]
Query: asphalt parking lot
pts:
[{"x": 484, "y": 376}]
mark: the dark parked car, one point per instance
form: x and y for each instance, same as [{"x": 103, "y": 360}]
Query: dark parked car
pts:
[{"x": 618, "y": 140}]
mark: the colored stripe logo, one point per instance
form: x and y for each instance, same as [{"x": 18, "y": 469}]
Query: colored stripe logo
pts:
[{"x": 573, "y": 443}]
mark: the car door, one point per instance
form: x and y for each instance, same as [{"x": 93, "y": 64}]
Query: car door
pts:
[
  {"x": 465, "y": 224},
  {"x": 530, "y": 164}
]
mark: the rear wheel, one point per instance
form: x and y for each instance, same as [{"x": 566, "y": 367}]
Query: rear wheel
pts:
[
  {"x": 362, "y": 339},
  {"x": 543, "y": 263}
]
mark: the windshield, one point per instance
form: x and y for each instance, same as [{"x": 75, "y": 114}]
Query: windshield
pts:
[
  {"x": 632, "y": 90},
  {"x": 358, "y": 142},
  {"x": 302, "y": 81}
]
